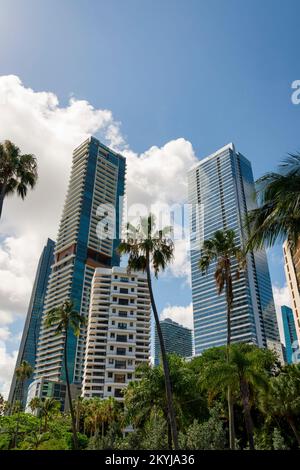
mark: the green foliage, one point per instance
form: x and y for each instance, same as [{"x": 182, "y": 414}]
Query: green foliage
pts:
[
  {"x": 278, "y": 440},
  {"x": 200, "y": 403},
  {"x": 277, "y": 217},
  {"x": 210, "y": 435}
]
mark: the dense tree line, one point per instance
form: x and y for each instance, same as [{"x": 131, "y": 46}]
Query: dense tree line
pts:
[{"x": 266, "y": 408}]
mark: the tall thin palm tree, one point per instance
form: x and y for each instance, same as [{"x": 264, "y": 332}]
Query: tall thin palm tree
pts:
[
  {"x": 247, "y": 372},
  {"x": 23, "y": 372},
  {"x": 278, "y": 216},
  {"x": 150, "y": 248},
  {"x": 48, "y": 407},
  {"x": 222, "y": 249},
  {"x": 66, "y": 320},
  {"x": 17, "y": 172}
]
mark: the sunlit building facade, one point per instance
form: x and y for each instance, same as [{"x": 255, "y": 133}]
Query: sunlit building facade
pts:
[
  {"x": 221, "y": 192},
  {"x": 97, "y": 184},
  {"x": 292, "y": 352},
  {"x": 292, "y": 274},
  {"x": 118, "y": 334}
]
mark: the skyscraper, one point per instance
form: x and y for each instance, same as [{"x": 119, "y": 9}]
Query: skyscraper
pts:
[
  {"x": 221, "y": 192},
  {"x": 86, "y": 240},
  {"x": 177, "y": 339},
  {"x": 118, "y": 336},
  {"x": 27, "y": 350},
  {"x": 292, "y": 274},
  {"x": 290, "y": 335}
]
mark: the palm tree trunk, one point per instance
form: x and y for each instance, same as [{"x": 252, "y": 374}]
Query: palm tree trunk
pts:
[
  {"x": 2, "y": 195},
  {"x": 247, "y": 413},
  {"x": 229, "y": 391},
  {"x": 75, "y": 440},
  {"x": 295, "y": 430},
  {"x": 169, "y": 434},
  {"x": 19, "y": 411},
  {"x": 171, "y": 410}
]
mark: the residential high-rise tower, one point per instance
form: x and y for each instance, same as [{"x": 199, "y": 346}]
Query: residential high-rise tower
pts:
[
  {"x": 87, "y": 239},
  {"x": 118, "y": 335}
]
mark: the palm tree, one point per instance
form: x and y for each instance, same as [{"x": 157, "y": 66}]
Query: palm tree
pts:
[
  {"x": 35, "y": 404},
  {"x": 278, "y": 215},
  {"x": 246, "y": 372},
  {"x": 148, "y": 247},
  {"x": 79, "y": 405},
  {"x": 17, "y": 172},
  {"x": 34, "y": 439},
  {"x": 222, "y": 249},
  {"x": 23, "y": 373},
  {"x": 48, "y": 407},
  {"x": 147, "y": 394},
  {"x": 282, "y": 399},
  {"x": 65, "y": 320}
]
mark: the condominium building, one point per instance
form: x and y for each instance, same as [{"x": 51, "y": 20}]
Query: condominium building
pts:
[
  {"x": 118, "y": 334},
  {"x": 292, "y": 273},
  {"x": 177, "y": 339},
  {"x": 87, "y": 238},
  {"x": 292, "y": 352},
  {"x": 28, "y": 345},
  {"x": 221, "y": 192}
]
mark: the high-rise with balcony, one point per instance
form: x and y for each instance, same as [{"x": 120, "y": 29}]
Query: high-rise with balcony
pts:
[
  {"x": 118, "y": 333},
  {"x": 177, "y": 339},
  {"x": 221, "y": 192},
  {"x": 86, "y": 240},
  {"x": 28, "y": 350}
]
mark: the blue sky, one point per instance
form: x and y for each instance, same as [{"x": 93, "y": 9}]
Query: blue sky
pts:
[{"x": 210, "y": 71}]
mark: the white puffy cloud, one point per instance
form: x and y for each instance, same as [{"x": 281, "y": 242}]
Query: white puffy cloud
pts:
[
  {"x": 7, "y": 364},
  {"x": 180, "y": 314},
  {"x": 281, "y": 297},
  {"x": 38, "y": 124}
]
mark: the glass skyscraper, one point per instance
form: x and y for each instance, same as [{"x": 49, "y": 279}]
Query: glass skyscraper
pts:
[
  {"x": 97, "y": 184},
  {"x": 27, "y": 350},
  {"x": 221, "y": 192},
  {"x": 290, "y": 335},
  {"x": 177, "y": 339}
]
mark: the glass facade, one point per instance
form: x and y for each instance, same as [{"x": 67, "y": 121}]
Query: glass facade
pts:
[
  {"x": 28, "y": 345},
  {"x": 177, "y": 339},
  {"x": 221, "y": 192},
  {"x": 97, "y": 179},
  {"x": 292, "y": 352}
]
